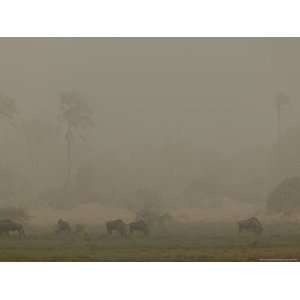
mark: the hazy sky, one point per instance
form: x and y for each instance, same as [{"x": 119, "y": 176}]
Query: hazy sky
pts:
[{"x": 210, "y": 92}]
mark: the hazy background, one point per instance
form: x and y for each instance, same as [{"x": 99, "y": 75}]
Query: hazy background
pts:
[{"x": 189, "y": 122}]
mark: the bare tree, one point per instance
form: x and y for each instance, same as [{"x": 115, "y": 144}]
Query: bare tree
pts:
[{"x": 77, "y": 118}]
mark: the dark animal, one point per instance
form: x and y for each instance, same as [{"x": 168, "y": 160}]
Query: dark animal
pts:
[
  {"x": 62, "y": 227},
  {"x": 7, "y": 226},
  {"x": 139, "y": 226},
  {"x": 117, "y": 225},
  {"x": 250, "y": 225}
]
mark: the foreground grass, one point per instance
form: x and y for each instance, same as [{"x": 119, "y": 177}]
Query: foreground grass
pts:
[
  {"x": 186, "y": 242},
  {"x": 152, "y": 249}
]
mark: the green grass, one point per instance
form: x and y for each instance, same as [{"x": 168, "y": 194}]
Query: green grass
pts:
[
  {"x": 45, "y": 250},
  {"x": 204, "y": 242}
]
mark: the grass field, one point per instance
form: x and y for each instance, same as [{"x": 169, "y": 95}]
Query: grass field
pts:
[{"x": 204, "y": 242}]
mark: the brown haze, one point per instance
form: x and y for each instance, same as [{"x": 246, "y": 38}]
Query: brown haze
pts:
[{"x": 191, "y": 120}]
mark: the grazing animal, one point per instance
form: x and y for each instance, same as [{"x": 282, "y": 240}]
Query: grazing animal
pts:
[
  {"x": 62, "y": 227},
  {"x": 7, "y": 226},
  {"x": 139, "y": 226},
  {"x": 117, "y": 225},
  {"x": 251, "y": 225}
]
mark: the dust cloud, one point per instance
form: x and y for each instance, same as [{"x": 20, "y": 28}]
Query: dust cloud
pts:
[{"x": 94, "y": 129}]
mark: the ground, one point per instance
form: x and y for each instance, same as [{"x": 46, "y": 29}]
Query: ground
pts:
[{"x": 213, "y": 242}]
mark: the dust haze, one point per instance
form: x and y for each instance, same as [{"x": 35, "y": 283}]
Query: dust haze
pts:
[{"x": 97, "y": 129}]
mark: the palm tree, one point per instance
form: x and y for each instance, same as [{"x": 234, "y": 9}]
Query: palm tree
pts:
[
  {"x": 281, "y": 100},
  {"x": 8, "y": 111},
  {"x": 77, "y": 118}
]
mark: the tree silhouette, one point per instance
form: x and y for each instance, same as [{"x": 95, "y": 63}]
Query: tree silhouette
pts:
[
  {"x": 77, "y": 118},
  {"x": 284, "y": 198},
  {"x": 8, "y": 108}
]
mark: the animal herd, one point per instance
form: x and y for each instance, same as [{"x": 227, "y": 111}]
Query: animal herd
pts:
[
  {"x": 8, "y": 227},
  {"x": 122, "y": 228}
]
